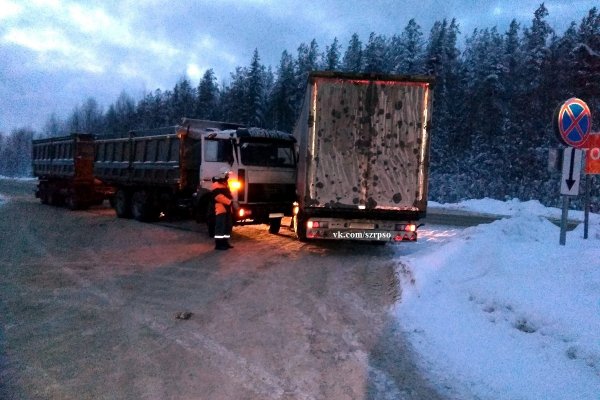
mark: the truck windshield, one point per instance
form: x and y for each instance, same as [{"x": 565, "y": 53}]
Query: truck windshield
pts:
[{"x": 267, "y": 154}]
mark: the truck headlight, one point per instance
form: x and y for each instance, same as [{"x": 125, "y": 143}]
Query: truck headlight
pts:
[{"x": 234, "y": 185}]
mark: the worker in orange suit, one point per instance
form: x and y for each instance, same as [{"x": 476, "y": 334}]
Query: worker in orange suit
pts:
[{"x": 223, "y": 201}]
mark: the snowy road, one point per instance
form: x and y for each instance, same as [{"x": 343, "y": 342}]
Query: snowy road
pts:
[{"x": 89, "y": 306}]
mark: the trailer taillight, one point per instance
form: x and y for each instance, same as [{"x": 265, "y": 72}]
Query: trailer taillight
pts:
[
  {"x": 317, "y": 224},
  {"x": 406, "y": 227}
]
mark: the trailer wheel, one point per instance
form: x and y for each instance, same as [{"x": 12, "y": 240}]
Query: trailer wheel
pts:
[
  {"x": 43, "y": 193},
  {"x": 73, "y": 202},
  {"x": 274, "y": 225},
  {"x": 54, "y": 198},
  {"x": 122, "y": 203},
  {"x": 142, "y": 207}
]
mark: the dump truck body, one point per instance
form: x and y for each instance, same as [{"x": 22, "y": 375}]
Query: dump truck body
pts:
[{"x": 64, "y": 167}]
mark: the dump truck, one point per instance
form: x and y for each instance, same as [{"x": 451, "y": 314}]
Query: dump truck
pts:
[
  {"x": 363, "y": 157},
  {"x": 160, "y": 171},
  {"x": 64, "y": 167}
]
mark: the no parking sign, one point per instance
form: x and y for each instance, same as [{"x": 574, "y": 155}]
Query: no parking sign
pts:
[{"x": 573, "y": 122}]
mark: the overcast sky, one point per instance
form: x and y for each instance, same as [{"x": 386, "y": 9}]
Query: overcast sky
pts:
[{"x": 54, "y": 54}]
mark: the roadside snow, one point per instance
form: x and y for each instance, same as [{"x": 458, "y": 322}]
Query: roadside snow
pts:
[
  {"x": 509, "y": 208},
  {"x": 505, "y": 312},
  {"x": 22, "y": 179}
]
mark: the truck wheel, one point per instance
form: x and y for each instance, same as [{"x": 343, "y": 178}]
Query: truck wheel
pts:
[
  {"x": 72, "y": 202},
  {"x": 201, "y": 211},
  {"x": 274, "y": 225},
  {"x": 54, "y": 198},
  {"x": 43, "y": 191},
  {"x": 122, "y": 203},
  {"x": 142, "y": 207}
]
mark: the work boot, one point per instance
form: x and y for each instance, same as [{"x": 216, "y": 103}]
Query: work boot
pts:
[
  {"x": 220, "y": 244},
  {"x": 227, "y": 244}
]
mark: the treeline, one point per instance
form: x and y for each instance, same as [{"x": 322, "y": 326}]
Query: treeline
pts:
[{"x": 494, "y": 98}]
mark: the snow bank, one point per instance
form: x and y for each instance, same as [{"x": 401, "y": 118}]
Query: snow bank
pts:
[
  {"x": 23, "y": 179},
  {"x": 510, "y": 208},
  {"x": 507, "y": 312}
]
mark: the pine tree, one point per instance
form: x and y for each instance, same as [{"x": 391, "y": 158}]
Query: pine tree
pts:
[
  {"x": 54, "y": 127},
  {"x": 255, "y": 99},
  {"x": 208, "y": 97},
  {"x": 121, "y": 116},
  {"x": 183, "y": 100},
  {"x": 353, "y": 57},
  {"x": 407, "y": 50},
  {"x": 374, "y": 56},
  {"x": 282, "y": 109},
  {"x": 586, "y": 56},
  {"x": 233, "y": 98},
  {"x": 331, "y": 58}
]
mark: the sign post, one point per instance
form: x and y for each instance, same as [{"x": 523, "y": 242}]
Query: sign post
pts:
[
  {"x": 569, "y": 184},
  {"x": 572, "y": 123}
]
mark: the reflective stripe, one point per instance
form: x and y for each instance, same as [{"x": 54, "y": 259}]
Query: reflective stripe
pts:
[{"x": 221, "y": 237}]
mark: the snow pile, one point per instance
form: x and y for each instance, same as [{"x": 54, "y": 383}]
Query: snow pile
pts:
[
  {"x": 505, "y": 312},
  {"x": 21, "y": 179},
  {"x": 509, "y": 208}
]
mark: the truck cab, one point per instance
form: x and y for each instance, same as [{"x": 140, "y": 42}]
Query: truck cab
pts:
[{"x": 263, "y": 172}]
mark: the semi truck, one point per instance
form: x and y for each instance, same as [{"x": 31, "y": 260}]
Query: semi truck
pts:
[
  {"x": 363, "y": 157},
  {"x": 64, "y": 167},
  {"x": 159, "y": 171}
]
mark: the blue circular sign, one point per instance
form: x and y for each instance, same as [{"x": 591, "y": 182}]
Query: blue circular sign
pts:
[{"x": 574, "y": 122}]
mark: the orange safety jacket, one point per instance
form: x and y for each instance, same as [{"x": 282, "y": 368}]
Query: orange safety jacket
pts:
[{"x": 222, "y": 196}]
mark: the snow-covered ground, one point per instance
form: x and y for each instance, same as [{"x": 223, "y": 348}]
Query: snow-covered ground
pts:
[{"x": 505, "y": 312}]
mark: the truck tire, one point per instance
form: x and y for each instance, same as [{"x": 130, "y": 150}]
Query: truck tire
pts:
[
  {"x": 122, "y": 202},
  {"x": 142, "y": 207},
  {"x": 274, "y": 225},
  {"x": 54, "y": 197},
  {"x": 43, "y": 193},
  {"x": 201, "y": 209},
  {"x": 72, "y": 202}
]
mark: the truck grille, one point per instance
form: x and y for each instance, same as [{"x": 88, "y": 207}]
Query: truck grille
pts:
[{"x": 271, "y": 192}]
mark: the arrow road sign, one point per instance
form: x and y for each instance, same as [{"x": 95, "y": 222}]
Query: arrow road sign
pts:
[{"x": 571, "y": 172}]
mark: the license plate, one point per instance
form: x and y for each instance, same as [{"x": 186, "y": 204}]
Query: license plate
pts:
[
  {"x": 276, "y": 215},
  {"x": 361, "y": 225}
]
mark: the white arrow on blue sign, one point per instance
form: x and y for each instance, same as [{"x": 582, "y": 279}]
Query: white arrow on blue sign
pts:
[{"x": 571, "y": 171}]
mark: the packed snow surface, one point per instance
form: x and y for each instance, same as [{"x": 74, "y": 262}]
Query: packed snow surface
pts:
[{"x": 503, "y": 311}]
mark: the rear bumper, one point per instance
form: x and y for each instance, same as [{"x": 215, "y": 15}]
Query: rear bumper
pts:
[
  {"x": 370, "y": 230},
  {"x": 261, "y": 213}
]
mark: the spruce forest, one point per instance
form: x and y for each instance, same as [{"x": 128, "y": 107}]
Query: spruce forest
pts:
[{"x": 495, "y": 96}]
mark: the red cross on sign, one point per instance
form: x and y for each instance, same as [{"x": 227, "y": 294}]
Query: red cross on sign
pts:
[{"x": 573, "y": 121}]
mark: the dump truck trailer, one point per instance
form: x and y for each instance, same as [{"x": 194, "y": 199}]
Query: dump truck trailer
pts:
[
  {"x": 363, "y": 145},
  {"x": 64, "y": 167},
  {"x": 161, "y": 170}
]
